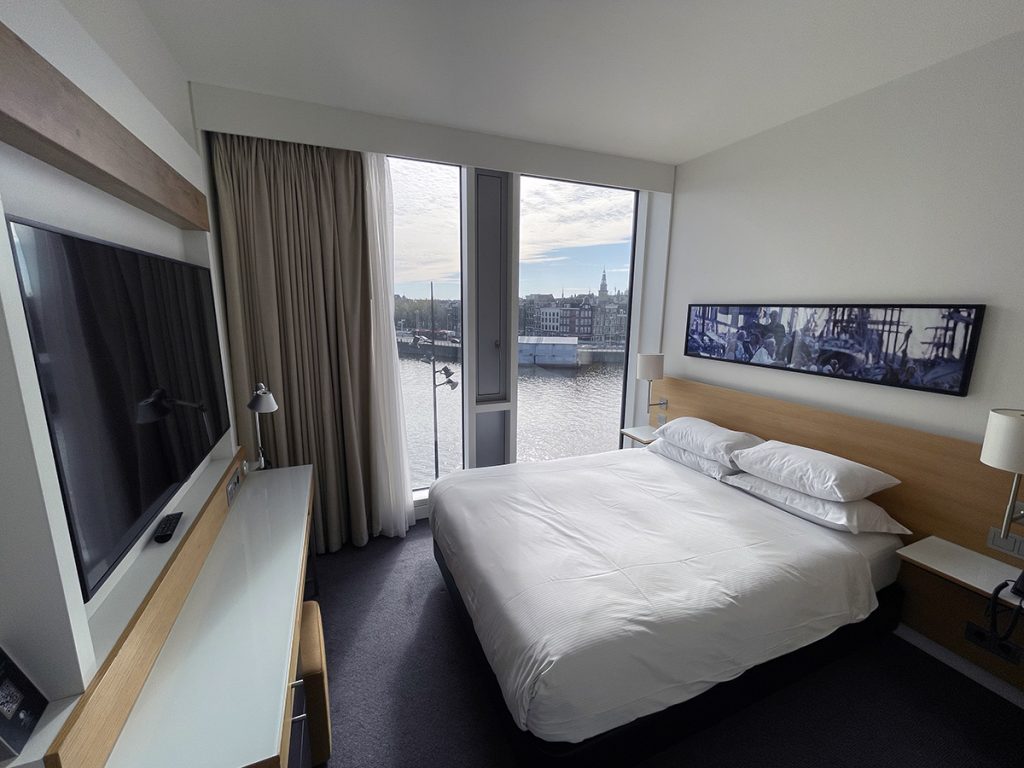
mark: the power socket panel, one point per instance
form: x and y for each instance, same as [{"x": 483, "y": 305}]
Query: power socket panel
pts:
[
  {"x": 1011, "y": 545},
  {"x": 983, "y": 638},
  {"x": 234, "y": 484}
]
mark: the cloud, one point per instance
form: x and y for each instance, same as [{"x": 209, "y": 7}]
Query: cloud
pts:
[
  {"x": 561, "y": 214},
  {"x": 554, "y": 215},
  {"x": 545, "y": 259},
  {"x": 427, "y": 224}
]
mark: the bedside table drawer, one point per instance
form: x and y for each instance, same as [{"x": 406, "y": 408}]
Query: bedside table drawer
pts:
[{"x": 940, "y": 610}]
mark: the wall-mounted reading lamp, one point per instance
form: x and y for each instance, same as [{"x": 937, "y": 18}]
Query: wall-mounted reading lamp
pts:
[
  {"x": 159, "y": 406},
  {"x": 651, "y": 368},
  {"x": 1004, "y": 449}
]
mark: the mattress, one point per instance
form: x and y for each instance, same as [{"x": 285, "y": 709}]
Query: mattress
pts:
[
  {"x": 879, "y": 549},
  {"x": 607, "y": 587}
]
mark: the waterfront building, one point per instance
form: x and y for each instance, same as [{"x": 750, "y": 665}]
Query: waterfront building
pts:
[
  {"x": 549, "y": 351},
  {"x": 594, "y": 319}
]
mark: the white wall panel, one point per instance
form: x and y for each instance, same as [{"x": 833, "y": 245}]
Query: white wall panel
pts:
[{"x": 912, "y": 192}]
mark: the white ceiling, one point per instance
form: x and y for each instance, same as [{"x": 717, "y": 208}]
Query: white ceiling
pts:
[{"x": 658, "y": 80}]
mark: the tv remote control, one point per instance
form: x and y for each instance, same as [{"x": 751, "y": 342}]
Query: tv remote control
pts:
[{"x": 165, "y": 528}]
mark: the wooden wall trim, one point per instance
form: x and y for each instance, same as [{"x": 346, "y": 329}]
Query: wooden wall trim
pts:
[
  {"x": 92, "y": 729},
  {"x": 945, "y": 491},
  {"x": 47, "y": 116}
]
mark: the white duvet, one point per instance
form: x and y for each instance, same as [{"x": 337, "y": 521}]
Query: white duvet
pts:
[{"x": 607, "y": 587}]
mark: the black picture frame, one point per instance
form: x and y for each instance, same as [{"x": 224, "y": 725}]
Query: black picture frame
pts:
[{"x": 924, "y": 347}]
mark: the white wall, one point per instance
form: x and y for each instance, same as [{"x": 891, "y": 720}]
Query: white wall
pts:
[
  {"x": 911, "y": 192},
  {"x": 43, "y": 622},
  {"x": 124, "y": 31},
  {"x": 252, "y": 114}
]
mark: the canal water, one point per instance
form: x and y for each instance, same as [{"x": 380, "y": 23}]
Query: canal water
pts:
[{"x": 562, "y": 412}]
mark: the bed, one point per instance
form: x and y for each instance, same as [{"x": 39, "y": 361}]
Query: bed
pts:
[
  {"x": 523, "y": 557},
  {"x": 606, "y": 588}
]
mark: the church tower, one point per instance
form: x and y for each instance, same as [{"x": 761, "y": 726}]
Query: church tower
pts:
[{"x": 603, "y": 292}]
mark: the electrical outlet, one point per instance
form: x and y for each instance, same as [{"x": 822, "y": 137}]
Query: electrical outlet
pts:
[
  {"x": 661, "y": 419},
  {"x": 983, "y": 638},
  {"x": 233, "y": 485},
  {"x": 1011, "y": 545}
]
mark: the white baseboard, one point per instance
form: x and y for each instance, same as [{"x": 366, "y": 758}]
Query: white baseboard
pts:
[
  {"x": 981, "y": 676},
  {"x": 419, "y": 504}
]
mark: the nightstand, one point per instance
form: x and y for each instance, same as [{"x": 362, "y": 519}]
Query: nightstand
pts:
[
  {"x": 643, "y": 434},
  {"x": 946, "y": 586}
]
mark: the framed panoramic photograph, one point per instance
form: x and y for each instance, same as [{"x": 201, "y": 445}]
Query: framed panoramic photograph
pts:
[{"x": 929, "y": 347}]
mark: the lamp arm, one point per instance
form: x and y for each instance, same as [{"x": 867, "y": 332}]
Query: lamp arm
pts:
[
  {"x": 201, "y": 407},
  {"x": 261, "y": 463},
  {"x": 186, "y": 403},
  {"x": 1014, "y": 508},
  {"x": 662, "y": 403},
  {"x": 207, "y": 424}
]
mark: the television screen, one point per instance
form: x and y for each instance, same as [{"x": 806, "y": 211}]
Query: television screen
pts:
[{"x": 129, "y": 366}]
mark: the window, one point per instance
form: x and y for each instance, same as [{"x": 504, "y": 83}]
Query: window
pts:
[
  {"x": 575, "y": 262},
  {"x": 575, "y": 270},
  {"x": 427, "y": 230}
]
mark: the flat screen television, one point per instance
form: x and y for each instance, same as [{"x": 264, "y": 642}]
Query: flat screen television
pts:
[{"x": 126, "y": 351}]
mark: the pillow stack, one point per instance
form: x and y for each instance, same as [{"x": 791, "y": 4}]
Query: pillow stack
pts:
[
  {"x": 701, "y": 445},
  {"x": 817, "y": 486},
  {"x": 680, "y": 455}
]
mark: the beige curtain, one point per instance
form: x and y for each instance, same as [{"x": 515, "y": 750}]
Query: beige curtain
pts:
[{"x": 294, "y": 246}]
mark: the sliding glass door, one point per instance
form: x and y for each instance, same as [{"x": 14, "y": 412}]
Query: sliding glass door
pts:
[
  {"x": 575, "y": 276},
  {"x": 428, "y": 313}
]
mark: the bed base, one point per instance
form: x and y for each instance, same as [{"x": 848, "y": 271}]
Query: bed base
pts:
[{"x": 636, "y": 741}]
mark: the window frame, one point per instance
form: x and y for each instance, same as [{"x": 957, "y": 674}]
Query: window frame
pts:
[{"x": 468, "y": 300}]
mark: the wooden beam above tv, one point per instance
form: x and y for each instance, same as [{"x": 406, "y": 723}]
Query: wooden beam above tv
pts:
[{"x": 47, "y": 116}]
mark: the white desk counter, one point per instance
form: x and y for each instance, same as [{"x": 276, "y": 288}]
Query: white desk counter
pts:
[{"x": 216, "y": 695}]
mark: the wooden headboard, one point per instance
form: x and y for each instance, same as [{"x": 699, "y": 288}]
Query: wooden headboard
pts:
[{"x": 945, "y": 490}]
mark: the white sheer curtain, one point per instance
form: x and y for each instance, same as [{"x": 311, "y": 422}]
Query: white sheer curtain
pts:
[{"x": 390, "y": 476}]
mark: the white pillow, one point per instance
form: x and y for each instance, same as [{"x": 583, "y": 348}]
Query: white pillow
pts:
[
  {"x": 705, "y": 438},
  {"x": 812, "y": 472},
  {"x": 690, "y": 459},
  {"x": 861, "y": 516}
]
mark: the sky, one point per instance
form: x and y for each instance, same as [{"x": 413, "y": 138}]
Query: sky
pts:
[{"x": 568, "y": 233}]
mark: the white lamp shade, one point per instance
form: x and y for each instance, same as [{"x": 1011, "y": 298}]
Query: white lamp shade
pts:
[
  {"x": 650, "y": 367},
  {"x": 262, "y": 401},
  {"x": 1004, "y": 440}
]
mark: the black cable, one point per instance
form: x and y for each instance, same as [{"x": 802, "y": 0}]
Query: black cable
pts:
[{"x": 993, "y": 612}]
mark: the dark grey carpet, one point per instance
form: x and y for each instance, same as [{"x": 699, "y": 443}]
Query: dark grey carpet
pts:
[{"x": 409, "y": 688}]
